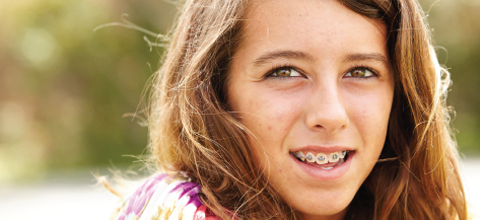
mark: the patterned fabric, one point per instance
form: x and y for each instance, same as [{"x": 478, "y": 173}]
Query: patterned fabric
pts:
[{"x": 162, "y": 197}]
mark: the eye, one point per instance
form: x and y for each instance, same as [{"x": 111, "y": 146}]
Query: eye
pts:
[
  {"x": 284, "y": 72},
  {"x": 361, "y": 72}
]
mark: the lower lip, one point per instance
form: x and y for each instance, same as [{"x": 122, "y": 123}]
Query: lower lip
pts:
[{"x": 325, "y": 175}]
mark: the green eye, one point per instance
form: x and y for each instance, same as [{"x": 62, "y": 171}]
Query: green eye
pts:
[{"x": 285, "y": 72}]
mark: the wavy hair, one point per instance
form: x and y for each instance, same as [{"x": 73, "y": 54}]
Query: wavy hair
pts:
[{"x": 192, "y": 131}]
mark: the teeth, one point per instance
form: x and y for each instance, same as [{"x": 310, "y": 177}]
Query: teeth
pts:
[
  {"x": 333, "y": 157},
  {"x": 310, "y": 157},
  {"x": 300, "y": 155},
  {"x": 321, "y": 158}
]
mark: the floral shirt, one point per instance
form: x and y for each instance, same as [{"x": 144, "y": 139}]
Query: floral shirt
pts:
[{"x": 162, "y": 197}]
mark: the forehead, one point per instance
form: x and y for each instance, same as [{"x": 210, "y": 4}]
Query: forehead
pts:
[{"x": 309, "y": 25}]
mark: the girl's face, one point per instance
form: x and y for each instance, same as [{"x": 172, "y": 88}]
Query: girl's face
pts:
[{"x": 311, "y": 80}]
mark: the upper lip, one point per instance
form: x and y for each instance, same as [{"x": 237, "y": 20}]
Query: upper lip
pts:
[{"x": 322, "y": 149}]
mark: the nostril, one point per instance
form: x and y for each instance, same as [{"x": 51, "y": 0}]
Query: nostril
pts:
[{"x": 330, "y": 121}]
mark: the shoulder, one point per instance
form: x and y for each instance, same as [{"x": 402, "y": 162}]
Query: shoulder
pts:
[{"x": 165, "y": 197}]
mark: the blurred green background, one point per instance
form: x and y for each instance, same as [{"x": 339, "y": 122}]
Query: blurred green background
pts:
[{"x": 64, "y": 89}]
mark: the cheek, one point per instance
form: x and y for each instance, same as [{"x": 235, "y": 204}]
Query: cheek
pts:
[
  {"x": 270, "y": 116},
  {"x": 270, "y": 119},
  {"x": 370, "y": 114}
]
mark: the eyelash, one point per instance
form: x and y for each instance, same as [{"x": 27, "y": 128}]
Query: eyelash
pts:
[
  {"x": 361, "y": 66},
  {"x": 288, "y": 66},
  {"x": 278, "y": 67}
]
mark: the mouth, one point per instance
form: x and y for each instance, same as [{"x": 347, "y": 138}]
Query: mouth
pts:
[{"x": 325, "y": 161}]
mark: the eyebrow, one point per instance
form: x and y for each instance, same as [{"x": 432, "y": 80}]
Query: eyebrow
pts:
[
  {"x": 298, "y": 55},
  {"x": 365, "y": 57},
  {"x": 282, "y": 54}
]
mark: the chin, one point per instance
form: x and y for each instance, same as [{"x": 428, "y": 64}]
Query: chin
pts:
[
  {"x": 335, "y": 210},
  {"x": 315, "y": 192}
]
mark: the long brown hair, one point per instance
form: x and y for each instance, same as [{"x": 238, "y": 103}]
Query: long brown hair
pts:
[{"x": 193, "y": 132}]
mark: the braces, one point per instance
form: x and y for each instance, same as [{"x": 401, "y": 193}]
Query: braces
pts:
[{"x": 321, "y": 158}]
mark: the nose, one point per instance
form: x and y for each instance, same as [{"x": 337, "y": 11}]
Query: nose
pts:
[{"x": 326, "y": 110}]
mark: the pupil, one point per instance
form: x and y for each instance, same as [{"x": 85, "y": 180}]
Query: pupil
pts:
[
  {"x": 358, "y": 72},
  {"x": 283, "y": 72}
]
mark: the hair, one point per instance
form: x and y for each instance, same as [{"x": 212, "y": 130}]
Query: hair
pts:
[{"x": 193, "y": 132}]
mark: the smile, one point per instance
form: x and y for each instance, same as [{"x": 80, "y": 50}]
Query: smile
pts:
[{"x": 322, "y": 160}]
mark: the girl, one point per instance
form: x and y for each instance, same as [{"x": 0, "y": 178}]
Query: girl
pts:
[{"x": 312, "y": 109}]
